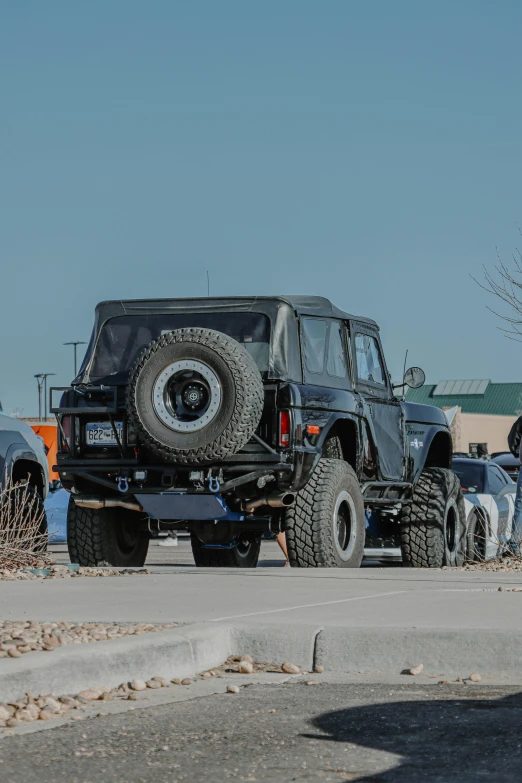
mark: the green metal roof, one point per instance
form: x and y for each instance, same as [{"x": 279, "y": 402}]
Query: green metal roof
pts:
[{"x": 498, "y": 399}]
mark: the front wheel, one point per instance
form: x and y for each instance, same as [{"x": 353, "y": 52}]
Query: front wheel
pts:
[
  {"x": 433, "y": 524},
  {"x": 477, "y": 537},
  {"x": 244, "y": 555},
  {"x": 105, "y": 537},
  {"x": 325, "y": 528}
]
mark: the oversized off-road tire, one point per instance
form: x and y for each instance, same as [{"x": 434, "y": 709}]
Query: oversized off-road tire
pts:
[
  {"x": 325, "y": 528},
  {"x": 195, "y": 396},
  {"x": 105, "y": 537},
  {"x": 244, "y": 555},
  {"x": 433, "y": 525},
  {"x": 476, "y": 537}
]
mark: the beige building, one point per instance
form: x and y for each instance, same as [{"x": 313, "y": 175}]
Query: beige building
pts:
[{"x": 480, "y": 412}]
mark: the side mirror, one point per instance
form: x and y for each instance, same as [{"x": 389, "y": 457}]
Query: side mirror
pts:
[{"x": 414, "y": 378}]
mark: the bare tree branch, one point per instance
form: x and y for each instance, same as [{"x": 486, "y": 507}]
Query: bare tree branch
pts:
[{"x": 505, "y": 283}]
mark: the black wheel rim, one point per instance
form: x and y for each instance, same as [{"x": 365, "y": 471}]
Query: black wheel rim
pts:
[
  {"x": 344, "y": 526},
  {"x": 451, "y": 527},
  {"x": 127, "y": 538},
  {"x": 186, "y": 395},
  {"x": 479, "y": 541},
  {"x": 243, "y": 547}
]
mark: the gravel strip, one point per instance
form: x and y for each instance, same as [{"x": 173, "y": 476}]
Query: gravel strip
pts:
[
  {"x": 48, "y": 706},
  {"x": 20, "y": 637},
  {"x": 64, "y": 572},
  {"x": 505, "y": 564}
]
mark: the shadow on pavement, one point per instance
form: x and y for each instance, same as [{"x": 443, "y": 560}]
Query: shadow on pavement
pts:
[{"x": 445, "y": 738}]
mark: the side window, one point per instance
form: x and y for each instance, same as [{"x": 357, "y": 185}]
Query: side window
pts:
[
  {"x": 496, "y": 480},
  {"x": 314, "y": 332},
  {"x": 369, "y": 364},
  {"x": 336, "y": 362}
]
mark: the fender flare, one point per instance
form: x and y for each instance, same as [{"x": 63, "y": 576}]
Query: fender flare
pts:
[
  {"x": 336, "y": 423},
  {"x": 435, "y": 449},
  {"x": 20, "y": 451}
]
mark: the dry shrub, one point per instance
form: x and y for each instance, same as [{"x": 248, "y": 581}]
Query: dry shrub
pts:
[
  {"x": 503, "y": 554},
  {"x": 23, "y": 533}
]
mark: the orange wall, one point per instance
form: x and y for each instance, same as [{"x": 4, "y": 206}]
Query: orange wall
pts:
[{"x": 49, "y": 433}]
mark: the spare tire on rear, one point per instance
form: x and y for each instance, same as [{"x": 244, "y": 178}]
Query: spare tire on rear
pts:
[{"x": 195, "y": 396}]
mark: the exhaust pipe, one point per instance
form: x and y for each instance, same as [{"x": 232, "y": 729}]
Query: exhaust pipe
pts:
[
  {"x": 274, "y": 501},
  {"x": 107, "y": 503}
]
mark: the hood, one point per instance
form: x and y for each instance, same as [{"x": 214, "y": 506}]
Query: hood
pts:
[{"x": 424, "y": 414}]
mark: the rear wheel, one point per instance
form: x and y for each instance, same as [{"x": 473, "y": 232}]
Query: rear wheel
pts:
[
  {"x": 325, "y": 528},
  {"x": 105, "y": 537},
  {"x": 244, "y": 555},
  {"x": 433, "y": 525}
]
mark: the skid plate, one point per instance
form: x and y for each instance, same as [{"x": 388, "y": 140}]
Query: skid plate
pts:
[{"x": 181, "y": 506}]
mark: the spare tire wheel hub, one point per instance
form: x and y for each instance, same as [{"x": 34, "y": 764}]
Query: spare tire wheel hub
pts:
[{"x": 186, "y": 395}]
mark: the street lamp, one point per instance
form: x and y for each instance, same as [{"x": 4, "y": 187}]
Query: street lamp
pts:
[
  {"x": 41, "y": 379},
  {"x": 76, "y": 343}
]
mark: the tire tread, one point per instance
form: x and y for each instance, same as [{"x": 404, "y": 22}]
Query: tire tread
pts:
[{"x": 309, "y": 546}]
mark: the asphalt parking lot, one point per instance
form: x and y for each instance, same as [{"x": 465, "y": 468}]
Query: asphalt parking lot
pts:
[
  {"x": 290, "y": 732},
  {"x": 181, "y": 555}
]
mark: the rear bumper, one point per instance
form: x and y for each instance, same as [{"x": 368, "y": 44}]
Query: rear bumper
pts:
[{"x": 113, "y": 474}]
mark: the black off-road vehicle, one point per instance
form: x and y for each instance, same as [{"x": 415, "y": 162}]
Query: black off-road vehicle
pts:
[{"x": 231, "y": 417}]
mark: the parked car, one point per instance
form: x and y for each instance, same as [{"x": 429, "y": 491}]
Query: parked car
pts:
[
  {"x": 489, "y": 497},
  {"x": 22, "y": 458},
  {"x": 228, "y": 417},
  {"x": 507, "y": 462}
]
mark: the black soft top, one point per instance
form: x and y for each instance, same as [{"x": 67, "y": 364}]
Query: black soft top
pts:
[
  {"x": 281, "y": 310},
  {"x": 305, "y": 305}
]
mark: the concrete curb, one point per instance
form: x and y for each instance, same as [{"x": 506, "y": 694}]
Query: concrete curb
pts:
[
  {"x": 276, "y": 643},
  {"x": 390, "y": 650},
  {"x": 182, "y": 652},
  {"x": 186, "y": 651}
]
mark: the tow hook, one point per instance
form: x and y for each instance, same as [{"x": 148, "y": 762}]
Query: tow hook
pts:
[
  {"x": 213, "y": 484},
  {"x": 123, "y": 484}
]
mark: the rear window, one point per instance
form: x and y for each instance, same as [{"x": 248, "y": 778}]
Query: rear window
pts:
[
  {"x": 471, "y": 476},
  {"x": 123, "y": 338}
]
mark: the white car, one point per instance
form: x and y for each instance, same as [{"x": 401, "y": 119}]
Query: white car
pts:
[{"x": 489, "y": 497}]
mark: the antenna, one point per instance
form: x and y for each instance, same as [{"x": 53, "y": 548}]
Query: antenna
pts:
[
  {"x": 208, "y": 284},
  {"x": 403, "y": 374}
]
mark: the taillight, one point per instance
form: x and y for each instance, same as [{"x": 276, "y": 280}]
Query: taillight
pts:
[
  {"x": 66, "y": 426},
  {"x": 284, "y": 428}
]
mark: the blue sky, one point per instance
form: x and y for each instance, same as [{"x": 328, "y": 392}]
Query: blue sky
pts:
[{"x": 367, "y": 151}]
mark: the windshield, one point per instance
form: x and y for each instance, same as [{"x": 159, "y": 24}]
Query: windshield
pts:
[
  {"x": 471, "y": 475},
  {"x": 123, "y": 338}
]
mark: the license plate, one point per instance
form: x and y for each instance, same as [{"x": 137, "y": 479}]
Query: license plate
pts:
[{"x": 101, "y": 433}]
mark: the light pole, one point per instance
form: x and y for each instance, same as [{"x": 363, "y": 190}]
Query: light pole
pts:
[
  {"x": 76, "y": 343},
  {"x": 46, "y": 375},
  {"x": 41, "y": 379}
]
